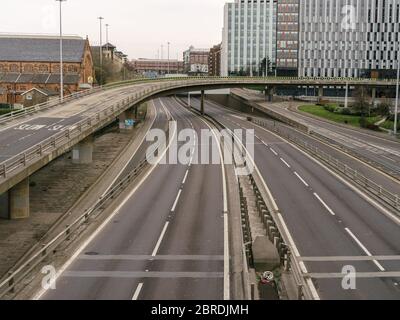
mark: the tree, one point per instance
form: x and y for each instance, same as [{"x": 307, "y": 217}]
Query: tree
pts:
[
  {"x": 384, "y": 108},
  {"x": 361, "y": 105}
]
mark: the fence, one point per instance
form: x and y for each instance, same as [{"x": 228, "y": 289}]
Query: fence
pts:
[
  {"x": 15, "y": 277},
  {"x": 387, "y": 197}
]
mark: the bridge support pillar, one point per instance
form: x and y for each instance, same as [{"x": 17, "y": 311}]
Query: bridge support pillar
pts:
[
  {"x": 373, "y": 96},
  {"x": 320, "y": 92},
  {"x": 269, "y": 93},
  {"x": 14, "y": 204},
  {"x": 126, "y": 119},
  {"x": 82, "y": 153},
  {"x": 202, "y": 102}
]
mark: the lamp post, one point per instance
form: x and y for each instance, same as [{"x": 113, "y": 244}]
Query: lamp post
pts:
[
  {"x": 107, "y": 27},
  {"x": 168, "y": 56},
  {"x": 396, "y": 109},
  {"x": 61, "y": 55},
  {"x": 101, "y": 50}
]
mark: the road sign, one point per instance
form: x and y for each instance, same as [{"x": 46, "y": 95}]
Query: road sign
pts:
[{"x": 129, "y": 122}]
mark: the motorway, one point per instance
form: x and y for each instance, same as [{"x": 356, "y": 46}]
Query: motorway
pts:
[
  {"x": 165, "y": 241},
  {"x": 324, "y": 215},
  {"x": 383, "y": 151}
]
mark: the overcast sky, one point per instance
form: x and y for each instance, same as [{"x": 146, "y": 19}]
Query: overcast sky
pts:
[{"x": 137, "y": 27}]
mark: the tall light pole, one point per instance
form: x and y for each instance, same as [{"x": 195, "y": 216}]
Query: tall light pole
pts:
[
  {"x": 107, "y": 27},
  {"x": 168, "y": 56},
  {"x": 61, "y": 55},
  {"x": 396, "y": 109},
  {"x": 101, "y": 50}
]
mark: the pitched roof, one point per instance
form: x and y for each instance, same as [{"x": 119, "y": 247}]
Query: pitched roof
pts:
[
  {"x": 41, "y": 49},
  {"x": 43, "y": 91}
]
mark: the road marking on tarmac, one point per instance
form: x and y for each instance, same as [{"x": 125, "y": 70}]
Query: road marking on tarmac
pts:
[
  {"x": 273, "y": 151},
  {"x": 364, "y": 249},
  {"x": 324, "y": 204},
  {"x": 301, "y": 179},
  {"x": 186, "y": 175},
  {"x": 160, "y": 239},
  {"x": 176, "y": 200},
  {"x": 287, "y": 164},
  {"x": 137, "y": 291}
]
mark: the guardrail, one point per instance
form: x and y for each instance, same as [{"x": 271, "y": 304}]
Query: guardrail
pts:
[
  {"x": 27, "y": 111},
  {"x": 15, "y": 277},
  {"x": 38, "y": 151},
  {"x": 276, "y": 233},
  {"x": 391, "y": 199}
]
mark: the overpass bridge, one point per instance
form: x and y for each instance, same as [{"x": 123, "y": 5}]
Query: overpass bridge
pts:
[{"x": 32, "y": 138}]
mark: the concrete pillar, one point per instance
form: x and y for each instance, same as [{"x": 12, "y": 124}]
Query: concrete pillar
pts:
[
  {"x": 320, "y": 92},
  {"x": 82, "y": 153},
  {"x": 127, "y": 119},
  {"x": 19, "y": 200},
  {"x": 373, "y": 96},
  {"x": 265, "y": 255},
  {"x": 269, "y": 92},
  {"x": 202, "y": 102},
  {"x": 4, "y": 205}
]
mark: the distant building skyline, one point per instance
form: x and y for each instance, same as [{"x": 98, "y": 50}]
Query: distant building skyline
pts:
[{"x": 137, "y": 28}]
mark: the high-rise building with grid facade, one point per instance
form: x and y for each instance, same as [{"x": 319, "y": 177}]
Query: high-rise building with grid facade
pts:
[
  {"x": 314, "y": 38},
  {"x": 349, "y": 38},
  {"x": 249, "y": 36}
]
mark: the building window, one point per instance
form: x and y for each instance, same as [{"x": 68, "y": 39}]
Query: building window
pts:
[
  {"x": 28, "y": 68},
  {"x": 14, "y": 68},
  {"x": 43, "y": 68}
]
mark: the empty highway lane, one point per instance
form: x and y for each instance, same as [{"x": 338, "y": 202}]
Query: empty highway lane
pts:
[
  {"x": 165, "y": 242},
  {"x": 325, "y": 216}
]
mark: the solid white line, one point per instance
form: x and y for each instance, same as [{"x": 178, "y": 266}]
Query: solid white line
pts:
[
  {"x": 160, "y": 239},
  {"x": 287, "y": 164},
  {"x": 274, "y": 152},
  {"x": 184, "y": 179},
  {"x": 364, "y": 249},
  {"x": 103, "y": 225},
  {"x": 301, "y": 179},
  {"x": 176, "y": 200},
  {"x": 324, "y": 204},
  {"x": 137, "y": 291},
  {"x": 283, "y": 224},
  {"x": 226, "y": 222},
  {"x": 362, "y": 194}
]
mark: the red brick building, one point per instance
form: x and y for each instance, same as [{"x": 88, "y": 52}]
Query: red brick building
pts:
[
  {"x": 159, "y": 66},
  {"x": 28, "y": 62},
  {"x": 196, "y": 61},
  {"x": 214, "y": 61}
]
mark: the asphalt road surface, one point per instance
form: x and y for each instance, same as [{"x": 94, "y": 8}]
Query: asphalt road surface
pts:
[
  {"x": 325, "y": 217},
  {"x": 166, "y": 241}
]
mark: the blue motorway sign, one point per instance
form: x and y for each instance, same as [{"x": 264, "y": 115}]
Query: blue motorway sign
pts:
[{"x": 129, "y": 122}]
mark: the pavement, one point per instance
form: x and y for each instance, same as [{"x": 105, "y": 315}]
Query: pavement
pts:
[
  {"x": 325, "y": 216},
  {"x": 165, "y": 242}
]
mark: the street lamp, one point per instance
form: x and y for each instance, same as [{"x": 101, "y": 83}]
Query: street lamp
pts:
[
  {"x": 168, "y": 56},
  {"x": 101, "y": 50},
  {"x": 61, "y": 55},
  {"x": 107, "y": 27},
  {"x": 396, "y": 109}
]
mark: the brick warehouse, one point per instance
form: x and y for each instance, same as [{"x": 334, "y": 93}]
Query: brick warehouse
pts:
[{"x": 28, "y": 62}]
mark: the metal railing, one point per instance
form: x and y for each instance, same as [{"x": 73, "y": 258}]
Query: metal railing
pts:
[
  {"x": 62, "y": 138},
  {"x": 275, "y": 232},
  {"x": 15, "y": 277},
  {"x": 257, "y": 80},
  {"x": 389, "y": 198}
]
